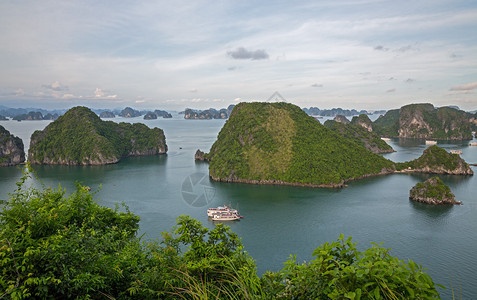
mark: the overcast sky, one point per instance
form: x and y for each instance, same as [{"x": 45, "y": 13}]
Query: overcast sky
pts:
[{"x": 360, "y": 54}]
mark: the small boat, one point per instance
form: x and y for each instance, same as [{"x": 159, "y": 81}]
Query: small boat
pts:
[
  {"x": 428, "y": 142},
  {"x": 222, "y": 216},
  {"x": 385, "y": 139},
  {"x": 473, "y": 144},
  {"x": 223, "y": 213}
]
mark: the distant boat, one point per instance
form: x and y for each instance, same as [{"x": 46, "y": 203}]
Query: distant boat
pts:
[
  {"x": 385, "y": 139},
  {"x": 431, "y": 142},
  {"x": 473, "y": 144}
]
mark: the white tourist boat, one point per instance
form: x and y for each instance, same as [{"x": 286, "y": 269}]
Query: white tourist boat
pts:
[
  {"x": 428, "y": 142},
  {"x": 473, "y": 144},
  {"x": 223, "y": 213},
  {"x": 220, "y": 209}
]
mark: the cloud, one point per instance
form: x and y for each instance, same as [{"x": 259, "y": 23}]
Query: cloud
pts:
[
  {"x": 99, "y": 93},
  {"x": 381, "y": 48},
  {"x": 19, "y": 92},
  {"x": 464, "y": 87},
  {"x": 409, "y": 80},
  {"x": 242, "y": 53},
  {"x": 316, "y": 85},
  {"x": 232, "y": 68},
  {"x": 391, "y": 91},
  {"x": 193, "y": 90},
  {"x": 55, "y": 86}
]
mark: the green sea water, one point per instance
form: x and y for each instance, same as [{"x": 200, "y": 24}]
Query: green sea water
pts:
[{"x": 281, "y": 220}]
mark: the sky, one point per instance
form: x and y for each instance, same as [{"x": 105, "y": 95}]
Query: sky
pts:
[{"x": 362, "y": 54}]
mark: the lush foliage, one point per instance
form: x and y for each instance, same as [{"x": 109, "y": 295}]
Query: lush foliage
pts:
[
  {"x": 388, "y": 125},
  {"x": 80, "y": 137},
  {"x": 279, "y": 142},
  {"x": 434, "y": 188},
  {"x": 444, "y": 123},
  {"x": 68, "y": 247},
  {"x": 340, "y": 271},
  {"x": 434, "y": 157},
  {"x": 360, "y": 135}
]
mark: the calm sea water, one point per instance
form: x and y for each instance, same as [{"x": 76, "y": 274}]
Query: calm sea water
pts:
[{"x": 280, "y": 220}]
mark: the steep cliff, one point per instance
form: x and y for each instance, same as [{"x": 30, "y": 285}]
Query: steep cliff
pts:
[
  {"x": 80, "y": 137},
  {"x": 423, "y": 121},
  {"x": 11, "y": 149},
  {"x": 432, "y": 191},
  {"x": 278, "y": 143}
]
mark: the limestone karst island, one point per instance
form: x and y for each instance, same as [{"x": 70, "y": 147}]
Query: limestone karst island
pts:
[
  {"x": 278, "y": 143},
  {"x": 80, "y": 137}
]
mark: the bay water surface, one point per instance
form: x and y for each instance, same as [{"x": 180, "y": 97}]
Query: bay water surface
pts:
[{"x": 282, "y": 220}]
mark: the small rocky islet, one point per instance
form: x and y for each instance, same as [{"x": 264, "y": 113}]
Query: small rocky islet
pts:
[{"x": 433, "y": 191}]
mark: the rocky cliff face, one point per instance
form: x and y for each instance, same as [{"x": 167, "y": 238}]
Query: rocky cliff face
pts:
[
  {"x": 341, "y": 119},
  {"x": 363, "y": 121},
  {"x": 11, "y": 149},
  {"x": 423, "y": 121},
  {"x": 432, "y": 191}
]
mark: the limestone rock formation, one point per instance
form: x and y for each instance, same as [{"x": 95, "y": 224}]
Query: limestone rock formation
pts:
[
  {"x": 80, "y": 137},
  {"x": 341, "y": 119},
  {"x": 11, "y": 149},
  {"x": 432, "y": 191},
  {"x": 436, "y": 160},
  {"x": 424, "y": 121}
]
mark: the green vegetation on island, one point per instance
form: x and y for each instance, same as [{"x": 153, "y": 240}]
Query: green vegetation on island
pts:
[
  {"x": 435, "y": 160},
  {"x": 80, "y": 137},
  {"x": 361, "y": 135},
  {"x": 11, "y": 149},
  {"x": 279, "y": 143},
  {"x": 423, "y": 121},
  {"x": 432, "y": 191},
  {"x": 59, "y": 246}
]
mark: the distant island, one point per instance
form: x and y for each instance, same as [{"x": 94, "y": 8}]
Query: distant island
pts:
[
  {"x": 157, "y": 113},
  {"x": 35, "y": 116},
  {"x": 11, "y": 149},
  {"x": 424, "y": 121},
  {"x": 432, "y": 191},
  {"x": 278, "y": 143},
  {"x": 80, "y": 137},
  {"x": 315, "y": 111},
  {"x": 208, "y": 114}
]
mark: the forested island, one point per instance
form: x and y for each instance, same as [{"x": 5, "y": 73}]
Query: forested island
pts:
[
  {"x": 80, "y": 137},
  {"x": 278, "y": 143},
  {"x": 424, "y": 121},
  {"x": 432, "y": 191}
]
